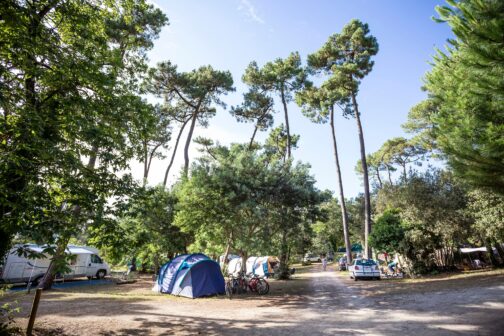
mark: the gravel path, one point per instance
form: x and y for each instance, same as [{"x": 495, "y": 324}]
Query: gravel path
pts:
[{"x": 315, "y": 303}]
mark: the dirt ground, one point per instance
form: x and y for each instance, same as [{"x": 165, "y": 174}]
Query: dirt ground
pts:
[{"x": 313, "y": 303}]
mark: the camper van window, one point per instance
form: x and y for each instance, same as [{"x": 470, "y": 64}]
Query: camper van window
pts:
[{"x": 95, "y": 259}]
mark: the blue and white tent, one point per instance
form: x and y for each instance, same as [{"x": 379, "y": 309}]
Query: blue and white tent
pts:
[{"x": 190, "y": 275}]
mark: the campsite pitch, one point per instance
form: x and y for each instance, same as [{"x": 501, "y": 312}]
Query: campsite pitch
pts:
[{"x": 314, "y": 303}]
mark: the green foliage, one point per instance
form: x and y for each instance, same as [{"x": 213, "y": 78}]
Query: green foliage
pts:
[
  {"x": 487, "y": 208},
  {"x": 347, "y": 57},
  {"x": 328, "y": 231},
  {"x": 240, "y": 198},
  {"x": 276, "y": 145},
  {"x": 432, "y": 209},
  {"x": 145, "y": 230},
  {"x": 283, "y": 77},
  {"x": 388, "y": 232},
  {"x": 395, "y": 153},
  {"x": 464, "y": 113},
  {"x": 257, "y": 107},
  {"x": 190, "y": 95},
  {"x": 69, "y": 97}
]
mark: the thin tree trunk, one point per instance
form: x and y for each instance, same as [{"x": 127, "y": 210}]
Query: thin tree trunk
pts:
[
  {"x": 244, "y": 257},
  {"x": 174, "y": 152},
  {"x": 188, "y": 142},
  {"x": 149, "y": 162},
  {"x": 252, "y": 139},
  {"x": 48, "y": 279},
  {"x": 500, "y": 252},
  {"x": 287, "y": 128},
  {"x": 344, "y": 214},
  {"x": 145, "y": 159},
  {"x": 380, "y": 183},
  {"x": 283, "y": 270},
  {"x": 225, "y": 262},
  {"x": 367, "y": 197},
  {"x": 389, "y": 175},
  {"x": 490, "y": 253}
]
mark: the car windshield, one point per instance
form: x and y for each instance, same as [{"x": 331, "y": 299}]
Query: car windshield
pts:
[{"x": 365, "y": 262}]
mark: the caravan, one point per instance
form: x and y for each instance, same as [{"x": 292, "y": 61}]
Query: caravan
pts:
[
  {"x": 262, "y": 266},
  {"x": 86, "y": 263}
]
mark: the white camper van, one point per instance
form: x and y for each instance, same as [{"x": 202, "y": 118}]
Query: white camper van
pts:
[{"x": 86, "y": 263}]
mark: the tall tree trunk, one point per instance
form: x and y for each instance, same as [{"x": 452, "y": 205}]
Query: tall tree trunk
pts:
[
  {"x": 145, "y": 159},
  {"x": 149, "y": 162},
  {"x": 283, "y": 269},
  {"x": 389, "y": 175},
  {"x": 367, "y": 197},
  {"x": 174, "y": 152},
  {"x": 490, "y": 253},
  {"x": 48, "y": 279},
  {"x": 252, "y": 138},
  {"x": 244, "y": 257},
  {"x": 225, "y": 262},
  {"x": 188, "y": 142},
  {"x": 287, "y": 128},
  {"x": 344, "y": 214},
  {"x": 380, "y": 183},
  {"x": 500, "y": 252}
]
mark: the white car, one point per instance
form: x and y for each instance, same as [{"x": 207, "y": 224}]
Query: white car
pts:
[
  {"x": 364, "y": 268},
  {"x": 311, "y": 257}
]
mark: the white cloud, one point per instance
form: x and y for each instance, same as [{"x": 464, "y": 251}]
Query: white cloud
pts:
[{"x": 250, "y": 11}]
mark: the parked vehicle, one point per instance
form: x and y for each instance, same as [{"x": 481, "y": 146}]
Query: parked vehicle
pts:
[
  {"x": 342, "y": 264},
  {"x": 85, "y": 263},
  {"x": 311, "y": 257},
  {"x": 364, "y": 268}
]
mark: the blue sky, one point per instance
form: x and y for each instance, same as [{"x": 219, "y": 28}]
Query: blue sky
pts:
[{"x": 229, "y": 34}]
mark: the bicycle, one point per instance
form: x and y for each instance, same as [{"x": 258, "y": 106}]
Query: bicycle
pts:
[
  {"x": 236, "y": 285},
  {"x": 397, "y": 273},
  {"x": 257, "y": 284}
]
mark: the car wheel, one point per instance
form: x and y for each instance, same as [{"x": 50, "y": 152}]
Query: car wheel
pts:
[
  {"x": 35, "y": 282},
  {"x": 355, "y": 278},
  {"x": 101, "y": 274}
]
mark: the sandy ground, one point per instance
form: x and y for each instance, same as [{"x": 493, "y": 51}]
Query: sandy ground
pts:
[{"x": 314, "y": 303}]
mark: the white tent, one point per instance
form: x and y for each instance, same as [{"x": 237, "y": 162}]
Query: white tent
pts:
[
  {"x": 257, "y": 265},
  {"x": 474, "y": 249}
]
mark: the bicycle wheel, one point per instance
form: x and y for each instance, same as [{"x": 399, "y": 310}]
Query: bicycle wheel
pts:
[
  {"x": 243, "y": 286},
  {"x": 262, "y": 287},
  {"x": 253, "y": 285}
]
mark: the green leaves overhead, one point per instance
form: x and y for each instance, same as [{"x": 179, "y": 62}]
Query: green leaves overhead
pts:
[
  {"x": 346, "y": 56},
  {"x": 240, "y": 197},
  {"x": 257, "y": 107},
  {"x": 68, "y": 101},
  {"x": 464, "y": 113},
  {"x": 193, "y": 94},
  {"x": 282, "y": 75},
  {"x": 199, "y": 88}
]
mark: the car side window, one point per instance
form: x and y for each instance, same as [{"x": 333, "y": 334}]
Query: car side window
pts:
[{"x": 95, "y": 259}]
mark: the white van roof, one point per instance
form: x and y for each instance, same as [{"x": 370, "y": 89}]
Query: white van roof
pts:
[{"x": 72, "y": 249}]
